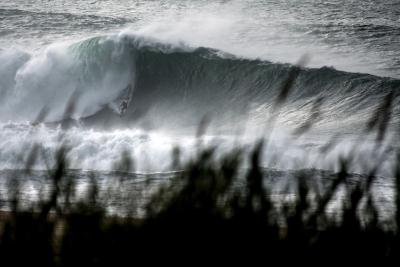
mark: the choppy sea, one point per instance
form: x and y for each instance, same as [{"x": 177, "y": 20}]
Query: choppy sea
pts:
[{"x": 109, "y": 77}]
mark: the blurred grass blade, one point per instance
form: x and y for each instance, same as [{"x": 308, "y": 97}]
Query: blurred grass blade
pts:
[
  {"x": 41, "y": 116},
  {"x": 314, "y": 117},
  {"x": 71, "y": 104},
  {"x": 380, "y": 119},
  {"x": 289, "y": 81}
]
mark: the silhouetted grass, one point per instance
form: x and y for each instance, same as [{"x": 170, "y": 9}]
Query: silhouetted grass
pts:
[{"x": 201, "y": 214}]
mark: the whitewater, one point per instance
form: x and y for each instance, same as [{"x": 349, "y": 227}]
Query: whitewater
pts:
[{"x": 68, "y": 67}]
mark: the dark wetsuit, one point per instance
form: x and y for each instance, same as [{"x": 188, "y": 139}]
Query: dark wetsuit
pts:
[{"x": 123, "y": 107}]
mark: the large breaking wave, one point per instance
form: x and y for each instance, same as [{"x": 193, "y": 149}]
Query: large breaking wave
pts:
[
  {"x": 167, "y": 87},
  {"x": 176, "y": 80}
]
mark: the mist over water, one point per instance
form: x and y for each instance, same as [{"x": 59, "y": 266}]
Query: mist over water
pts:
[
  {"x": 177, "y": 62},
  {"x": 358, "y": 36}
]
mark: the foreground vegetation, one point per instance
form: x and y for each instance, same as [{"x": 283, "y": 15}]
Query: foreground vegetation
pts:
[{"x": 199, "y": 216}]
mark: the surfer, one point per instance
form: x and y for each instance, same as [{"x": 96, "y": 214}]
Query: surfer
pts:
[{"x": 123, "y": 107}]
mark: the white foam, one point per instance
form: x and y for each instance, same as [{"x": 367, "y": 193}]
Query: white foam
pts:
[
  {"x": 152, "y": 151},
  {"x": 50, "y": 76}
]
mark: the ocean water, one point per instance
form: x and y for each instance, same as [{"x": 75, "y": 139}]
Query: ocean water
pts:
[{"x": 68, "y": 67}]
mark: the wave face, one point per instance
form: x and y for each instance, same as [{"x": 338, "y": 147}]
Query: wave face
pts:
[{"x": 184, "y": 84}]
